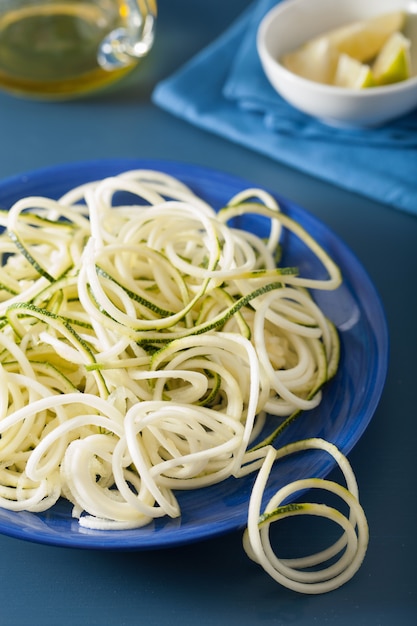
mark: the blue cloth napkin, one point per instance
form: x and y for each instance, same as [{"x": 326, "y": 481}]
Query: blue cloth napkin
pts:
[{"x": 224, "y": 90}]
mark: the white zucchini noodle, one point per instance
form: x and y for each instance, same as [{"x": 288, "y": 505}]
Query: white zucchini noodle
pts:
[
  {"x": 297, "y": 574},
  {"x": 145, "y": 345}
]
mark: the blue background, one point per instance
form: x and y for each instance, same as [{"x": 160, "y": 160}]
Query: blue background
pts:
[{"x": 213, "y": 582}]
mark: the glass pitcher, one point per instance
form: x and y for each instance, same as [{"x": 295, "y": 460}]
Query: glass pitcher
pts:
[{"x": 63, "y": 48}]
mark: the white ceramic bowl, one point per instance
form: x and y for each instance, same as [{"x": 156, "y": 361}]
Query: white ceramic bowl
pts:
[{"x": 293, "y": 22}]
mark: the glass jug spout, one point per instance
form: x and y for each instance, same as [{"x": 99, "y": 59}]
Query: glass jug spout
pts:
[{"x": 123, "y": 46}]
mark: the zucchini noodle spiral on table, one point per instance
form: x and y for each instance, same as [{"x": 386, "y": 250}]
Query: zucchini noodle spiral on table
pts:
[{"x": 143, "y": 347}]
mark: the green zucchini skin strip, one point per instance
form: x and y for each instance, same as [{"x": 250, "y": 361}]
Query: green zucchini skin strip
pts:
[
  {"x": 136, "y": 297},
  {"x": 25, "y": 252}
]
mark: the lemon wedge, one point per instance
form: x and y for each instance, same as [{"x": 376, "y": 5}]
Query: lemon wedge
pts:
[
  {"x": 316, "y": 61},
  {"x": 353, "y": 74},
  {"x": 393, "y": 63},
  {"x": 318, "y": 58}
]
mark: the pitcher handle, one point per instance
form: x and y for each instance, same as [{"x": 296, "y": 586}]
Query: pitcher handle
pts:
[{"x": 124, "y": 46}]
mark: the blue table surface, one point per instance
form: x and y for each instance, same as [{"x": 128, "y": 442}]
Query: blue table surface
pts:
[{"x": 213, "y": 582}]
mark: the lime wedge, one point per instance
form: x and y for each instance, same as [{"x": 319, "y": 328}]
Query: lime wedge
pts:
[
  {"x": 353, "y": 74},
  {"x": 393, "y": 63}
]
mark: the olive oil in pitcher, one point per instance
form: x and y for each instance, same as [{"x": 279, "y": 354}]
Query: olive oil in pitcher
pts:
[{"x": 57, "y": 48}]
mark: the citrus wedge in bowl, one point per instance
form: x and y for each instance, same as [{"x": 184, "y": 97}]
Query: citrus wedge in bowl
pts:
[{"x": 393, "y": 63}]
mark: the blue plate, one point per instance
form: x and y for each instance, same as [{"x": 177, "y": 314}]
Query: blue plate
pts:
[{"x": 348, "y": 404}]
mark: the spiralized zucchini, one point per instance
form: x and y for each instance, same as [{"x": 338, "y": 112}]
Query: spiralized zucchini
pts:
[{"x": 142, "y": 348}]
